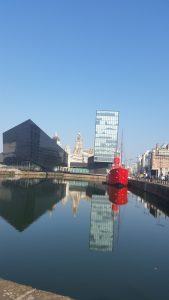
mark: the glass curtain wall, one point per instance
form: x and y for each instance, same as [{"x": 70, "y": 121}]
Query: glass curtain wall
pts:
[{"x": 106, "y": 136}]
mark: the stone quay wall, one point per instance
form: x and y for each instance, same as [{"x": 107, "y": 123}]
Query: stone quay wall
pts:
[
  {"x": 16, "y": 174},
  {"x": 160, "y": 190}
]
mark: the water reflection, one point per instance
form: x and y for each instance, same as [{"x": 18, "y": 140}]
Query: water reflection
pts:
[
  {"x": 104, "y": 224},
  {"x": 22, "y": 202},
  {"x": 101, "y": 225},
  {"x": 118, "y": 197},
  {"x": 62, "y": 253},
  {"x": 154, "y": 205}
]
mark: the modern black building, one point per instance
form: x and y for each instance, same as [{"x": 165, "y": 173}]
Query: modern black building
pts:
[{"x": 26, "y": 146}]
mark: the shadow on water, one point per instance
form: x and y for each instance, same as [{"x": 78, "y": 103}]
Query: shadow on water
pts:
[
  {"x": 154, "y": 203},
  {"x": 23, "y": 202}
]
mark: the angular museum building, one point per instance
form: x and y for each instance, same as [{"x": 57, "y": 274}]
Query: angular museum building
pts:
[{"x": 26, "y": 146}]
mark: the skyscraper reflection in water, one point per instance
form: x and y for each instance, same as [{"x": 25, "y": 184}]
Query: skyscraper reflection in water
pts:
[
  {"x": 101, "y": 226},
  {"x": 105, "y": 219}
]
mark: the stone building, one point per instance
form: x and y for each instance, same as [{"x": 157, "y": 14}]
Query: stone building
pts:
[
  {"x": 160, "y": 160},
  {"x": 155, "y": 162},
  {"x": 80, "y": 155},
  {"x": 78, "y": 158}
]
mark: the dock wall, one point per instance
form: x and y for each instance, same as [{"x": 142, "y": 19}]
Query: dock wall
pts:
[
  {"x": 157, "y": 189},
  {"x": 60, "y": 176}
]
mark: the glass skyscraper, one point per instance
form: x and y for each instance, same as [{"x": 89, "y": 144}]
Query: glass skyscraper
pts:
[{"x": 106, "y": 135}]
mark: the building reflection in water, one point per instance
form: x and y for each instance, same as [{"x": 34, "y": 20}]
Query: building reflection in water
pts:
[
  {"x": 22, "y": 202},
  {"x": 75, "y": 191},
  {"x": 105, "y": 219},
  {"x": 154, "y": 205},
  {"x": 101, "y": 225}
]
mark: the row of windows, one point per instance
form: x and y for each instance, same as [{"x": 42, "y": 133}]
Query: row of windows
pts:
[
  {"x": 103, "y": 146},
  {"x": 107, "y": 113},
  {"x": 102, "y": 159},
  {"x": 108, "y": 127},
  {"x": 106, "y": 130},
  {"x": 106, "y": 152},
  {"x": 107, "y": 146},
  {"x": 104, "y": 155},
  {"x": 106, "y": 136},
  {"x": 109, "y": 135},
  {"x": 104, "y": 142},
  {"x": 106, "y": 120}
]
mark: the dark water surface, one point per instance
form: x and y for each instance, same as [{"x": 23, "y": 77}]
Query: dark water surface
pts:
[{"x": 69, "y": 238}]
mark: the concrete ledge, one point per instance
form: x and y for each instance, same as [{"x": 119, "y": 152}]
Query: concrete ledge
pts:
[{"x": 13, "y": 291}]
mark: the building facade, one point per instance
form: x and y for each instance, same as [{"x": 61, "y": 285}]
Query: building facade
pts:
[
  {"x": 106, "y": 141},
  {"x": 106, "y": 136},
  {"x": 26, "y": 146},
  {"x": 79, "y": 154},
  {"x": 160, "y": 160},
  {"x": 155, "y": 162},
  {"x": 78, "y": 158},
  {"x": 145, "y": 163}
]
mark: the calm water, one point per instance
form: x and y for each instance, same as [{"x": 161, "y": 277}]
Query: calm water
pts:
[{"x": 70, "y": 238}]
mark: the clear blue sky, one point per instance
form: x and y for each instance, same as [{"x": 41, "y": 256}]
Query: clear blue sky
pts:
[{"x": 61, "y": 60}]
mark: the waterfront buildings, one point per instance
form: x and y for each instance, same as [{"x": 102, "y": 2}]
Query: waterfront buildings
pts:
[
  {"x": 78, "y": 158},
  {"x": 144, "y": 162},
  {"x": 155, "y": 162},
  {"x": 79, "y": 154},
  {"x": 26, "y": 146},
  {"x": 160, "y": 160},
  {"x": 106, "y": 141}
]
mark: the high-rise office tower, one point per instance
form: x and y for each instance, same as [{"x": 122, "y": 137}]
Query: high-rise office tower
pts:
[{"x": 106, "y": 136}]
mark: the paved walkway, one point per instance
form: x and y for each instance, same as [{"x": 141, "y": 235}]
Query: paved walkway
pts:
[{"x": 13, "y": 291}]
